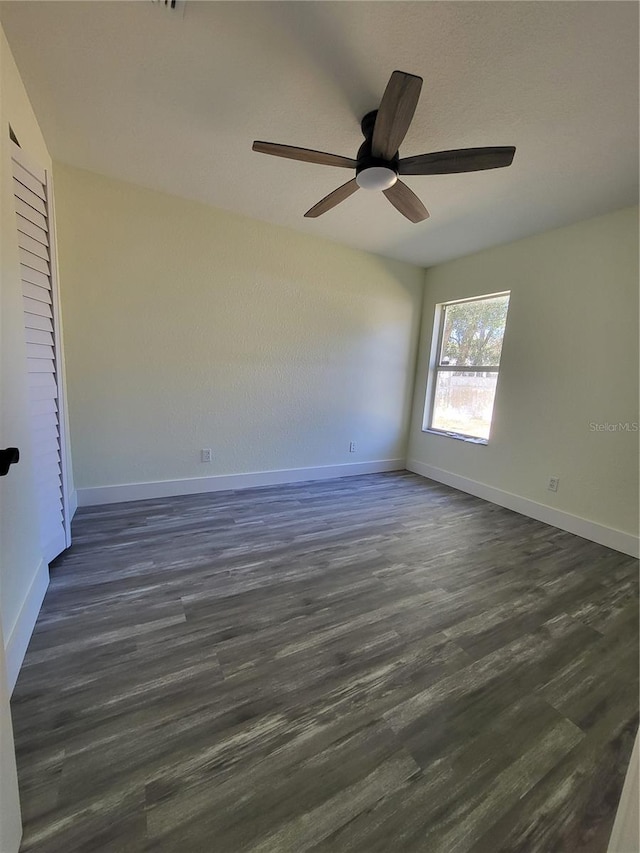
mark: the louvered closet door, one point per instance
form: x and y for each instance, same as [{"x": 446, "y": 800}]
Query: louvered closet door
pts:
[{"x": 40, "y": 323}]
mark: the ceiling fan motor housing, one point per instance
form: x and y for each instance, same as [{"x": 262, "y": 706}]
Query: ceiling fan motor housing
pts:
[
  {"x": 365, "y": 157},
  {"x": 382, "y": 177}
]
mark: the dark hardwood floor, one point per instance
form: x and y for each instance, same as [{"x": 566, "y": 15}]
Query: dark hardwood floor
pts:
[{"x": 377, "y": 663}]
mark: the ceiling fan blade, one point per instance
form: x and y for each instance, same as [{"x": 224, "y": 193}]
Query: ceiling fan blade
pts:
[
  {"x": 333, "y": 199},
  {"x": 395, "y": 113},
  {"x": 462, "y": 160},
  {"x": 308, "y": 155},
  {"x": 407, "y": 202}
]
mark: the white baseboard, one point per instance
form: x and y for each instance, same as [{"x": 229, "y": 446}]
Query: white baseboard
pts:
[
  {"x": 20, "y": 634},
  {"x": 611, "y": 538},
  {"x": 223, "y": 482},
  {"x": 618, "y": 540}
]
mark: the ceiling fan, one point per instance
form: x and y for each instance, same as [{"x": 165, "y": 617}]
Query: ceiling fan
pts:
[{"x": 378, "y": 163}]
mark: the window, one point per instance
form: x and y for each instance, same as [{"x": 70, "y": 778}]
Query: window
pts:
[{"x": 464, "y": 371}]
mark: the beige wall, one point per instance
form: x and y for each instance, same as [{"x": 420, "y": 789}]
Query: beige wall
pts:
[
  {"x": 570, "y": 358},
  {"x": 187, "y": 327}
]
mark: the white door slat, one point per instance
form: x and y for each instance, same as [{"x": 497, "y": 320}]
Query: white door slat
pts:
[
  {"x": 47, "y": 469},
  {"x": 50, "y": 525},
  {"x": 43, "y": 407},
  {"x": 41, "y": 380},
  {"x": 34, "y": 291},
  {"x": 53, "y": 513},
  {"x": 42, "y": 416},
  {"x": 46, "y": 466},
  {"x": 50, "y": 487},
  {"x": 30, "y": 228},
  {"x": 29, "y": 167},
  {"x": 35, "y": 277},
  {"x": 52, "y": 538},
  {"x": 28, "y": 180},
  {"x": 48, "y": 432},
  {"x": 40, "y": 365},
  {"x": 37, "y": 336},
  {"x": 52, "y": 530},
  {"x": 43, "y": 392},
  {"x": 40, "y": 448},
  {"x": 47, "y": 473},
  {"x": 47, "y": 461},
  {"x": 33, "y": 246},
  {"x": 19, "y": 158},
  {"x": 32, "y": 215},
  {"x": 33, "y": 261},
  {"x": 30, "y": 198},
  {"x": 54, "y": 460},
  {"x": 51, "y": 490},
  {"x": 50, "y": 419},
  {"x": 34, "y": 321},
  {"x": 49, "y": 496},
  {"x": 32, "y": 306},
  {"x": 39, "y": 351},
  {"x": 50, "y": 457}
]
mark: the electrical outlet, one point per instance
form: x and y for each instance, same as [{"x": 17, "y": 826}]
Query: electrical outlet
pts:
[
  {"x": 352, "y": 447},
  {"x": 205, "y": 454},
  {"x": 553, "y": 484}
]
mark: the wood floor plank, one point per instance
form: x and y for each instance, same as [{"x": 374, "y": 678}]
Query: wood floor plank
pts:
[{"x": 375, "y": 663}]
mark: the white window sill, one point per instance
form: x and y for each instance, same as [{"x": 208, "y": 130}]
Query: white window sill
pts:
[{"x": 481, "y": 441}]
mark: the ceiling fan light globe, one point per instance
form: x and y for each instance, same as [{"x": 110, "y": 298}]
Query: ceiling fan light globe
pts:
[{"x": 376, "y": 178}]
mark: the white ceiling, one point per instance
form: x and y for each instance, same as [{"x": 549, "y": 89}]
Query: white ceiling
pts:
[{"x": 173, "y": 101}]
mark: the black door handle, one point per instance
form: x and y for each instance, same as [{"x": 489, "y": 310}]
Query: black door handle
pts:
[{"x": 8, "y": 457}]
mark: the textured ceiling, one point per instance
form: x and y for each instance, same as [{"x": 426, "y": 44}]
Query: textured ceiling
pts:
[{"x": 173, "y": 101}]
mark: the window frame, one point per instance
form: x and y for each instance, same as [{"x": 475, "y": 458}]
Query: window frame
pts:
[{"x": 435, "y": 367}]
